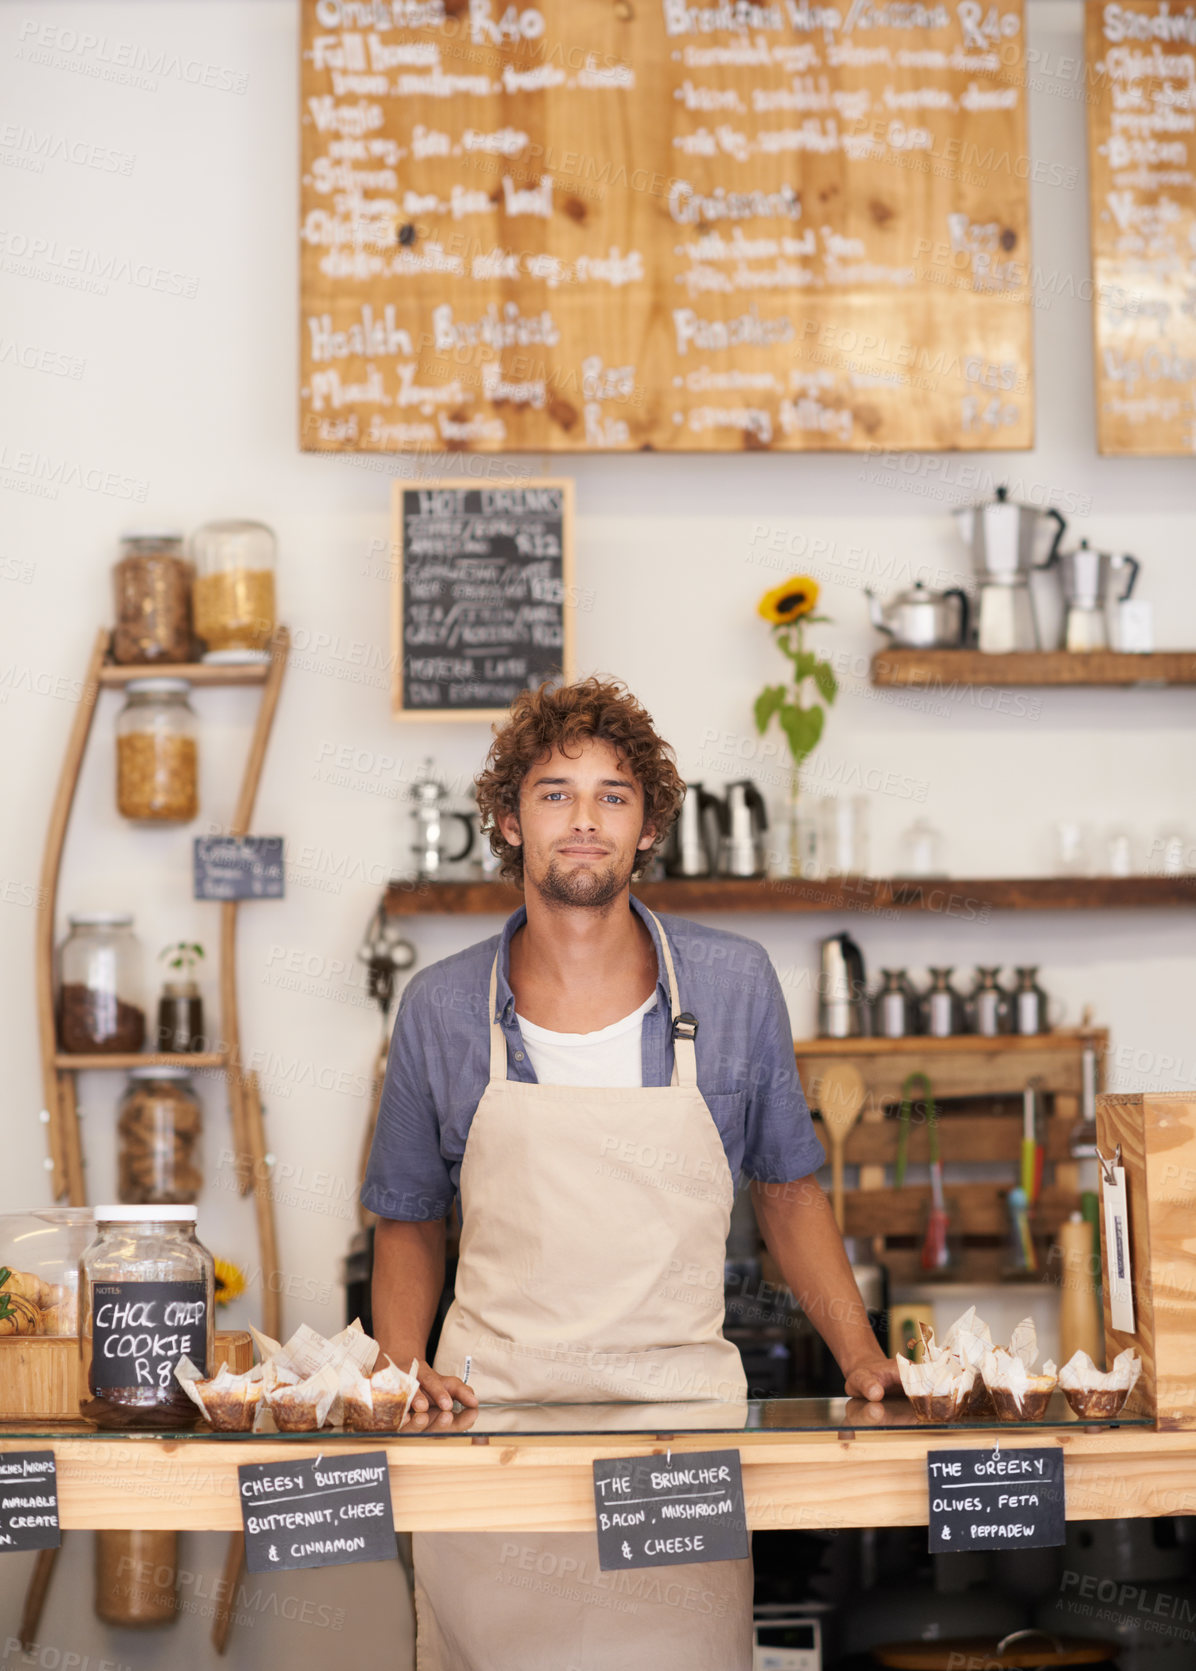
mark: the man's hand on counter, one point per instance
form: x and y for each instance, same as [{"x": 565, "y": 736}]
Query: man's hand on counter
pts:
[
  {"x": 872, "y": 1379},
  {"x": 440, "y": 1392}
]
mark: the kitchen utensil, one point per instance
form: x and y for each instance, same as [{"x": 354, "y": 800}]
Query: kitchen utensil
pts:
[
  {"x": 942, "y": 1006},
  {"x": 1006, "y": 540},
  {"x": 1083, "y": 1138},
  {"x": 936, "y": 1253},
  {"x": 1029, "y": 1003},
  {"x": 1032, "y": 1151},
  {"x": 841, "y": 1093},
  {"x": 921, "y": 850},
  {"x": 895, "y": 1007},
  {"x": 430, "y": 818},
  {"x": 693, "y": 844},
  {"x": 921, "y": 619},
  {"x": 842, "y": 990},
  {"x": 843, "y": 835},
  {"x": 1022, "y": 1256},
  {"x": 741, "y": 847},
  {"x": 1085, "y": 575},
  {"x": 988, "y": 1010}
]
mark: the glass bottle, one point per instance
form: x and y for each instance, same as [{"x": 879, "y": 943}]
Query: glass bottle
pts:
[
  {"x": 100, "y": 1005},
  {"x": 146, "y": 1292},
  {"x": 152, "y": 587},
  {"x": 989, "y": 1009},
  {"x": 157, "y": 756},
  {"x": 942, "y": 1006},
  {"x": 234, "y": 589},
  {"x": 159, "y": 1132}
]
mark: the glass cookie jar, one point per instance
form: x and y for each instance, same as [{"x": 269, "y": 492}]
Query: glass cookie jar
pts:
[
  {"x": 157, "y": 756},
  {"x": 234, "y": 589},
  {"x": 146, "y": 1294},
  {"x": 159, "y": 1131}
]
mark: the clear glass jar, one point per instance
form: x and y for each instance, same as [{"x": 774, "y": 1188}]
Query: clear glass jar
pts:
[
  {"x": 101, "y": 1009},
  {"x": 157, "y": 756},
  {"x": 146, "y": 1293},
  {"x": 159, "y": 1129},
  {"x": 40, "y": 1250},
  {"x": 234, "y": 588},
  {"x": 843, "y": 835},
  {"x": 152, "y": 587},
  {"x": 180, "y": 1018}
]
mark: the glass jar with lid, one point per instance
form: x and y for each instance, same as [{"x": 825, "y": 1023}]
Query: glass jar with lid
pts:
[
  {"x": 159, "y": 1130},
  {"x": 146, "y": 1292},
  {"x": 152, "y": 587},
  {"x": 157, "y": 756},
  {"x": 234, "y": 589},
  {"x": 40, "y": 1250},
  {"x": 101, "y": 1009}
]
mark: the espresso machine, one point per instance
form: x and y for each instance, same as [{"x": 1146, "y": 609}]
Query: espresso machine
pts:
[
  {"x": 1086, "y": 575},
  {"x": 1007, "y": 540}
]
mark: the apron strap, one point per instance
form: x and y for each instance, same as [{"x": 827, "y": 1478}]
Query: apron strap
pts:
[
  {"x": 685, "y": 1061},
  {"x": 498, "y": 1039}
]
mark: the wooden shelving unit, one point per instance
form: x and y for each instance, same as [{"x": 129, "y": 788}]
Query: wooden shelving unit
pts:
[
  {"x": 947, "y": 896},
  {"x": 59, "y": 1067},
  {"x": 941, "y": 669}
]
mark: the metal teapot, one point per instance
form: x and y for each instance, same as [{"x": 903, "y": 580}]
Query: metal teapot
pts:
[{"x": 920, "y": 619}]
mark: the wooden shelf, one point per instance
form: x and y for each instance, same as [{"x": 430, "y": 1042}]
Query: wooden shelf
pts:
[
  {"x": 195, "y": 672},
  {"x": 940, "y": 669},
  {"x": 141, "y": 1059},
  {"x": 965, "y": 900}
]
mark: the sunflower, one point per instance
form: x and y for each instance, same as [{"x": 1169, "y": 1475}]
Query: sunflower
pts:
[
  {"x": 230, "y": 1281},
  {"x": 788, "y": 602}
]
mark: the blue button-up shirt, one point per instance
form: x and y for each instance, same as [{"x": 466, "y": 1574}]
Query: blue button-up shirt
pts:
[{"x": 440, "y": 1062}]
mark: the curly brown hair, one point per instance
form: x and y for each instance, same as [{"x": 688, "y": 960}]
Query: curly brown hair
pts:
[{"x": 563, "y": 716}]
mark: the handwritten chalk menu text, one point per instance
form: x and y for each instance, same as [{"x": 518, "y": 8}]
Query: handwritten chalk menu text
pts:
[
  {"x": 324, "y": 1511},
  {"x": 28, "y": 1501},
  {"x": 724, "y": 226},
  {"x": 484, "y": 599},
  {"x": 238, "y": 867},
  {"x": 1142, "y": 178},
  {"x": 657, "y": 1511},
  {"x": 995, "y": 1499},
  {"x": 140, "y": 1330}
]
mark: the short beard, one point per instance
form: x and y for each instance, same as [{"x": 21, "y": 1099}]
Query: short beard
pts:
[{"x": 588, "y": 888}]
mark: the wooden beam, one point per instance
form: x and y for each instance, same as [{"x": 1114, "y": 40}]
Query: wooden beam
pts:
[
  {"x": 873, "y": 1478},
  {"x": 993, "y": 1139},
  {"x": 975, "y": 1209}
]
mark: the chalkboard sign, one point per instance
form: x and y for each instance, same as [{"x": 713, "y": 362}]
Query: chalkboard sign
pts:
[
  {"x": 484, "y": 598},
  {"x": 28, "y": 1501},
  {"x": 238, "y": 867},
  {"x": 326, "y": 1511},
  {"x": 658, "y": 1512},
  {"x": 995, "y": 1499},
  {"x": 140, "y": 1330}
]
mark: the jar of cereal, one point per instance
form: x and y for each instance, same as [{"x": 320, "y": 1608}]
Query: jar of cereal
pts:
[
  {"x": 157, "y": 758},
  {"x": 234, "y": 589}
]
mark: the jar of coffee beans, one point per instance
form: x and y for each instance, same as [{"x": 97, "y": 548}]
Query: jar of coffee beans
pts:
[
  {"x": 101, "y": 1010},
  {"x": 152, "y": 587}
]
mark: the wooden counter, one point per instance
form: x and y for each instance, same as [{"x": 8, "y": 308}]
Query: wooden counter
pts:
[{"x": 512, "y": 1483}]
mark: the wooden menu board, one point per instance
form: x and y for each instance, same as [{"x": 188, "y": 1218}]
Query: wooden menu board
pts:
[
  {"x": 484, "y": 598},
  {"x": 615, "y": 225},
  {"x": 1141, "y": 58}
]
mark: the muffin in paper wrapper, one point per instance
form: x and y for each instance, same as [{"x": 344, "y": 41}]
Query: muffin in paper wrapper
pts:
[
  {"x": 937, "y": 1388},
  {"x": 303, "y": 1406},
  {"x": 378, "y": 1403},
  {"x": 966, "y": 1342},
  {"x": 1017, "y": 1394},
  {"x": 1099, "y": 1394},
  {"x": 228, "y": 1402}
]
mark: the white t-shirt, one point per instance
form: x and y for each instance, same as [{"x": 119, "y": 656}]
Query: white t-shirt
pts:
[{"x": 611, "y": 1056}]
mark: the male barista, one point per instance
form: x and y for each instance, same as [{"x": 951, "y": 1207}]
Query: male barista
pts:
[{"x": 589, "y": 1085}]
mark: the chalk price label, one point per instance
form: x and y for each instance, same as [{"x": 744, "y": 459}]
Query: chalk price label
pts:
[
  {"x": 654, "y": 1511},
  {"x": 323, "y": 1511},
  {"x": 28, "y": 1501},
  {"x": 140, "y": 1330},
  {"x": 995, "y": 1499}
]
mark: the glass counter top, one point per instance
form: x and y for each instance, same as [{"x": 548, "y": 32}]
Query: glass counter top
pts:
[{"x": 548, "y": 1421}]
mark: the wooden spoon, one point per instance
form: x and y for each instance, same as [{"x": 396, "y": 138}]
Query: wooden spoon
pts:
[{"x": 841, "y": 1094}]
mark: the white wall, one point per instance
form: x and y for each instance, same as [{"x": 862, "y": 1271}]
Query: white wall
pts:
[{"x": 194, "y": 398}]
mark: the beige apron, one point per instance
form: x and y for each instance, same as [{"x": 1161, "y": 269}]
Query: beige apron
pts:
[{"x": 594, "y": 1233}]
